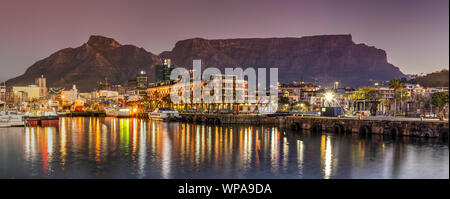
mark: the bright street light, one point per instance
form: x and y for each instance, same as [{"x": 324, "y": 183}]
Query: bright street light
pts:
[{"x": 329, "y": 96}]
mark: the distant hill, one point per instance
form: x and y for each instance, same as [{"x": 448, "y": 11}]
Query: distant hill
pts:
[
  {"x": 323, "y": 59},
  {"x": 84, "y": 66},
  {"x": 436, "y": 79}
]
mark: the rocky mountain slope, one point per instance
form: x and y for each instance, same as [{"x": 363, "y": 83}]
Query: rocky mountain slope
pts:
[
  {"x": 84, "y": 66},
  {"x": 436, "y": 79}
]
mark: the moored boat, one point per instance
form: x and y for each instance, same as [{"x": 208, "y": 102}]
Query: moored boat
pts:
[
  {"x": 49, "y": 119},
  {"x": 32, "y": 120},
  {"x": 4, "y": 121},
  {"x": 164, "y": 114},
  {"x": 117, "y": 112},
  {"x": 16, "y": 119},
  {"x": 11, "y": 119}
]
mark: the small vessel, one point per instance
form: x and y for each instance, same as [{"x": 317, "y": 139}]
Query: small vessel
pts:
[
  {"x": 4, "y": 120},
  {"x": 49, "y": 119},
  {"x": 11, "y": 119},
  {"x": 63, "y": 113},
  {"x": 32, "y": 120},
  {"x": 117, "y": 112},
  {"x": 164, "y": 114},
  {"x": 16, "y": 118}
]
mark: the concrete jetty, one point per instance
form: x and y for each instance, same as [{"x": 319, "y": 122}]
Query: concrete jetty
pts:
[{"x": 393, "y": 126}]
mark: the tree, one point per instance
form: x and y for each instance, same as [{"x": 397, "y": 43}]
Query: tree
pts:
[
  {"x": 395, "y": 84},
  {"x": 283, "y": 102},
  {"x": 166, "y": 100},
  {"x": 423, "y": 102},
  {"x": 365, "y": 94},
  {"x": 440, "y": 100},
  {"x": 402, "y": 95},
  {"x": 384, "y": 102}
]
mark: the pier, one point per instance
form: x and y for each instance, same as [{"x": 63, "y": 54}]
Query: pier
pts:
[{"x": 364, "y": 126}]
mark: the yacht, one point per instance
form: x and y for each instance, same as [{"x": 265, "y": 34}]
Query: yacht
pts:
[
  {"x": 4, "y": 120},
  {"x": 164, "y": 114},
  {"x": 117, "y": 112},
  {"x": 11, "y": 119}
]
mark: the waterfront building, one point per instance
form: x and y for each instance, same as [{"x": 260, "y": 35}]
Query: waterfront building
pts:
[
  {"x": 301, "y": 92},
  {"x": 141, "y": 83},
  {"x": 162, "y": 71},
  {"x": 138, "y": 85},
  {"x": 41, "y": 83},
  {"x": 20, "y": 94},
  {"x": 161, "y": 92},
  {"x": 85, "y": 97},
  {"x": 69, "y": 96},
  {"x": 385, "y": 92},
  {"x": 119, "y": 88},
  {"x": 437, "y": 89},
  {"x": 105, "y": 94},
  {"x": 3, "y": 93}
]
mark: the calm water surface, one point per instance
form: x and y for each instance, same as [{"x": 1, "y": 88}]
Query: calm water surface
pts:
[{"x": 134, "y": 148}]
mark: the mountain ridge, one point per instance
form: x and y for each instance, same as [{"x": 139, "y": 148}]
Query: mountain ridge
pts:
[{"x": 321, "y": 58}]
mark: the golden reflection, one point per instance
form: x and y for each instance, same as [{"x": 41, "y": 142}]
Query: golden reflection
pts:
[
  {"x": 197, "y": 145},
  {"x": 257, "y": 147},
  {"x": 104, "y": 141},
  {"x": 203, "y": 144},
  {"x": 97, "y": 141},
  {"x": 285, "y": 153},
  {"x": 63, "y": 142},
  {"x": 27, "y": 144},
  {"x": 300, "y": 153},
  {"x": 326, "y": 155},
  {"x": 134, "y": 141},
  {"x": 142, "y": 150},
  {"x": 274, "y": 149},
  {"x": 216, "y": 147},
  {"x": 33, "y": 145},
  {"x": 166, "y": 152}
]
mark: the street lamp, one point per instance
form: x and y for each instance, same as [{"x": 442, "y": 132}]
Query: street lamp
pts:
[{"x": 329, "y": 96}]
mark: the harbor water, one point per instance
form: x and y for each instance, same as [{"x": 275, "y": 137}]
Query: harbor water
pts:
[{"x": 99, "y": 147}]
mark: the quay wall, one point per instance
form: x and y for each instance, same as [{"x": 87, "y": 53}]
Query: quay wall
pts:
[{"x": 364, "y": 126}]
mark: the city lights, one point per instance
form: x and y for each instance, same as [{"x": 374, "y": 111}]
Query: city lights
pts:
[{"x": 329, "y": 96}]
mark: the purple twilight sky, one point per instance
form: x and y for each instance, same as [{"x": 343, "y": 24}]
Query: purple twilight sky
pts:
[{"x": 414, "y": 33}]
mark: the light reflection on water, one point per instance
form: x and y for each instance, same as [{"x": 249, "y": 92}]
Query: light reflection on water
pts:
[{"x": 133, "y": 148}]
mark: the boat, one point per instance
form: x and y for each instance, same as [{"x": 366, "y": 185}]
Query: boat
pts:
[
  {"x": 117, "y": 112},
  {"x": 44, "y": 119},
  {"x": 16, "y": 119},
  {"x": 4, "y": 120},
  {"x": 11, "y": 119},
  {"x": 32, "y": 120},
  {"x": 164, "y": 114},
  {"x": 49, "y": 119},
  {"x": 63, "y": 113}
]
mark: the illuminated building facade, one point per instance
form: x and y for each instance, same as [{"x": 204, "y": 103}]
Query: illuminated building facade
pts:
[{"x": 229, "y": 84}]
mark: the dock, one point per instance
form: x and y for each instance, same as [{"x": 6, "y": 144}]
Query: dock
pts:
[{"x": 393, "y": 126}]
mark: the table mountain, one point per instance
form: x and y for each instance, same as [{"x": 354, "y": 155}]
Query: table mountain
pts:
[
  {"x": 324, "y": 59},
  {"x": 84, "y": 66}
]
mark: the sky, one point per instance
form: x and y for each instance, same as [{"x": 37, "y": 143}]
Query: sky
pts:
[{"x": 414, "y": 33}]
